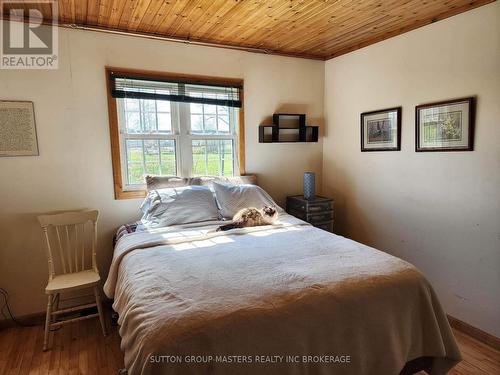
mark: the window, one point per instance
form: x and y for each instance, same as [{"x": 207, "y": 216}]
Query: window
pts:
[{"x": 172, "y": 126}]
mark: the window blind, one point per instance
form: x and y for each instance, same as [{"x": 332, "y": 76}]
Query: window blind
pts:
[{"x": 175, "y": 90}]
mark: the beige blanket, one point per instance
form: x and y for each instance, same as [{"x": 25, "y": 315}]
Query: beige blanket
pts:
[{"x": 283, "y": 299}]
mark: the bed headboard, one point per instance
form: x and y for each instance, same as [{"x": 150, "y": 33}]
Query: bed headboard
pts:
[{"x": 161, "y": 182}]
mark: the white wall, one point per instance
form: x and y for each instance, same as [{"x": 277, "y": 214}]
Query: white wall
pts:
[
  {"x": 440, "y": 211},
  {"x": 74, "y": 170}
]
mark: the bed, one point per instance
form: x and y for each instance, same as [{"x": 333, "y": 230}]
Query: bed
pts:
[{"x": 285, "y": 298}]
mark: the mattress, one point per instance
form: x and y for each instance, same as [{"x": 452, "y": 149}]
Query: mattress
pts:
[{"x": 279, "y": 299}]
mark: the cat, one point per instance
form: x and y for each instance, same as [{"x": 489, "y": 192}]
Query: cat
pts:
[{"x": 251, "y": 217}]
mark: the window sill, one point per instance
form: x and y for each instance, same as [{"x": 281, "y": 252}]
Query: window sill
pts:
[{"x": 129, "y": 194}]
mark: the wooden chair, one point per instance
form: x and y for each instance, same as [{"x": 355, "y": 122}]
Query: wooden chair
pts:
[{"x": 70, "y": 236}]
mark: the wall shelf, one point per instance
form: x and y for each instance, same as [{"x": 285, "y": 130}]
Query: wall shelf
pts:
[{"x": 288, "y": 127}]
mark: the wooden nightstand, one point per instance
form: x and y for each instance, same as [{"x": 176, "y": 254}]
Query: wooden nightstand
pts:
[{"x": 317, "y": 211}]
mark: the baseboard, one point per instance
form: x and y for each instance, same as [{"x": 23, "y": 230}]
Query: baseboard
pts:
[
  {"x": 37, "y": 318},
  {"x": 27, "y": 320},
  {"x": 474, "y": 332}
]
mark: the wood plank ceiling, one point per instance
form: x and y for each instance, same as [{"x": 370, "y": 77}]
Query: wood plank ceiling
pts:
[{"x": 319, "y": 29}]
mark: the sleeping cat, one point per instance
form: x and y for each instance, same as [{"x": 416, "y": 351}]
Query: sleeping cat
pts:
[{"x": 252, "y": 217}]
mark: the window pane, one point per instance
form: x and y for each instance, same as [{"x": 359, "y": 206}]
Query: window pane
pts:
[
  {"x": 199, "y": 153},
  {"x": 213, "y": 164},
  {"x": 152, "y": 156},
  {"x": 211, "y": 119},
  {"x": 222, "y": 110},
  {"x": 196, "y": 108},
  {"x": 133, "y": 122},
  {"x": 164, "y": 122},
  {"x": 227, "y": 165},
  {"x": 223, "y": 124},
  {"x": 196, "y": 123},
  {"x": 141, "y": 116},
  {"x": 134, "y": 151},
  {"x": 132, "y": 104},
  {"x": 212, "y": 157},
  {"x": 167, "y": 158},
  {"x": 210, "y": 125},
  {"x": 148, "y": 105},
  {"x": 135, "y": 167},
  {"x": 209, "y": 109},
  {"x": 163, "y": 106},
  {"x": 149, "y": 122},
  {"x": 136, "y": 174}
]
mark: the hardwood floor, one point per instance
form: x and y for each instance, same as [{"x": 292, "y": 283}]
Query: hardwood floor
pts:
[
  {"x": 80, "y": 348},
  {"x": 478, "y": 358}
]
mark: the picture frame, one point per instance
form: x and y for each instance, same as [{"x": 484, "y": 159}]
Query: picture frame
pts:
[
  {"x": 381, "y": 130},
  {"x": 445, "y": 126},
  {"x": 18, "y": 129}
]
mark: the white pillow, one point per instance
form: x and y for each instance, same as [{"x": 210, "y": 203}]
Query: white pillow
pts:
[
  {"x": 232, "y": 198},
  {"x": 147, "y": 204},
  {"x": 189, "y": 204}
]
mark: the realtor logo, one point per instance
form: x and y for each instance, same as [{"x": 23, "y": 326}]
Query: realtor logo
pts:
[{"x": 29, "y": 39}]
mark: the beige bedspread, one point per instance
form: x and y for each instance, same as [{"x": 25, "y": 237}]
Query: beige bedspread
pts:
[{"x": 283, "y": 299}]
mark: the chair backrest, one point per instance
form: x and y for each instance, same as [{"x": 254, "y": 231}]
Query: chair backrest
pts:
[{"x": 70, "y": 237}]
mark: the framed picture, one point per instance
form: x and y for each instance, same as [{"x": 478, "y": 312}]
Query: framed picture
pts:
[
  {"x": 17, "y": 129},
  {"x": 381, "y": 130},
  {"x": 445, "y": 126}
]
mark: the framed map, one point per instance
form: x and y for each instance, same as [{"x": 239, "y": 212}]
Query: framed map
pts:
[
  {"x": 445, "y": 126},
  {"x": 17, "y": 129},
  {"x": 381, "y": 130}
]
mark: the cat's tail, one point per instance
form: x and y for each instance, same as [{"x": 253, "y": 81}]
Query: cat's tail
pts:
[{"x": 227, "y": 227}]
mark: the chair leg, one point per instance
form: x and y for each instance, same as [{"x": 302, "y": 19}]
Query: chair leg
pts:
[
  {"x": 47, "y": 323},
  {"x": 58, "y": 297},
  {"x": 99, "y": 309}
]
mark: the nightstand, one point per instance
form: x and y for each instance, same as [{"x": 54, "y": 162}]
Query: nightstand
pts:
[{"x": 317, "y": 211}]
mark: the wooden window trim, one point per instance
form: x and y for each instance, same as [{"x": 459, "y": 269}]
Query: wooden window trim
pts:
[{"x": 114, "y": 134}]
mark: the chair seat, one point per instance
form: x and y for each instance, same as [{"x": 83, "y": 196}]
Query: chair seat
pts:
[{"x": 74, "y": 280}]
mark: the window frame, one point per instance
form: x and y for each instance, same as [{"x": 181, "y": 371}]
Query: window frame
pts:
[{"x": 122, "y": 192}]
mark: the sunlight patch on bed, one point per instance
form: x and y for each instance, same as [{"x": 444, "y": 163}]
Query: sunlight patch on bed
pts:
[
  {"x": 182, "y": 235},
  {"x": 272, "y": 231},
  {"x": 202, "y": 243}
]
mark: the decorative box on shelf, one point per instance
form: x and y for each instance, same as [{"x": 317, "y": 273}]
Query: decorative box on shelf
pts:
[
  {"x": 317, "y": 211},
  {"x": 288, "y": 127}
]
